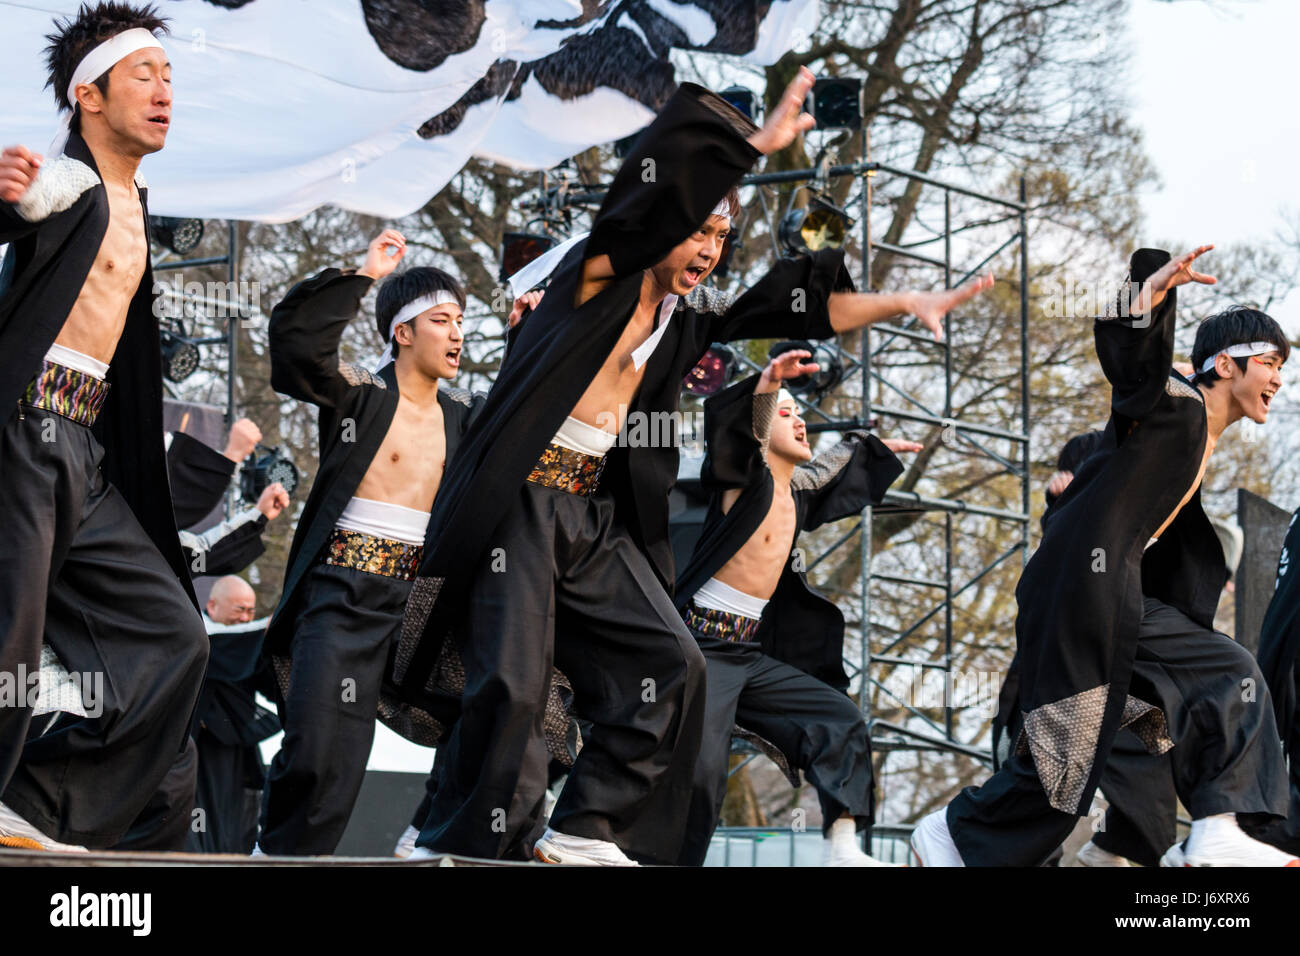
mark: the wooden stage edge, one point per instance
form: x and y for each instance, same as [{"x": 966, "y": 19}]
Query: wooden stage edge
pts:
[{"x": 104, "y": 858}]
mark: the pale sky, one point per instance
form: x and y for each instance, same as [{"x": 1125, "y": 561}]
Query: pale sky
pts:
[{"x": 1213, "y": 88}]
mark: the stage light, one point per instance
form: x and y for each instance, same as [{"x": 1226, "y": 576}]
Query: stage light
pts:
[
  {"x": 712, "y": 373},
  {"x": 180, "y": 354},
  {"x": 819, "y": 225},
  {"x": 828, "y": 374},
  {"x": 260, "y": 471},
  {"x": 741, "y": 98},
  {"x": 520, "y": 248},
  {"x": 837, "y": 103},
  {"x": 181, "y": 236}
]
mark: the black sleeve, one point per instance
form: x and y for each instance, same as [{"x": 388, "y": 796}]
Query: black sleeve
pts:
[
  {"x": 199, "y": 477},
  {"x": 305, "y": 331},
  {"x": 12, "y": 225},
  {"x": 226, "y": 548},
  {"x": 844, "y": 479},
  {"x": 680, "y": 167},
  {"x": 790, "y": 302},
  {"x": 1279, "y": 636},
  {"x": 734, "y": 454},
  {"x": 1137, "y": 352}
]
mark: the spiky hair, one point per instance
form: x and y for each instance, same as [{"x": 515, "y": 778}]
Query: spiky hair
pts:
[{"x": 76, "y": 36}]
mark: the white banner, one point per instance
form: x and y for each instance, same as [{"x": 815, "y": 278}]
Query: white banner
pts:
[{"x": 281, "y": 106}]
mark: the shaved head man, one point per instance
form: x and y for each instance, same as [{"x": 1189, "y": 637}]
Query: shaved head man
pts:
[{"x": 231, "y": 601}]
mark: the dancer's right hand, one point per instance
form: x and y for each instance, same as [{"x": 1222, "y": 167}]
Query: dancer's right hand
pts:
[
  {"x": 379, "y": 261},
  {"x": 18, "y": 168},
  {"x": 527, "y": 301},
  {"x": 785, "y": 366},
  {"x": 788, "y": 119}
]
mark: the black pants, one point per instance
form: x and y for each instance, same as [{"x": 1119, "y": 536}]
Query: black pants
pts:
[
  {"x": 819, "y": 730},
  {"x": 1285, "y": 834},
  {"x": 1227, "y": 755},
  {"x": 167, "y": 820},
  {"x": 562, "y": 565},
  {"x": 78, "y": 572},
  {"x": 340, "y": 646},
  {"x": 229, "y": 793},
  {"x": 1141, "y": 821}
]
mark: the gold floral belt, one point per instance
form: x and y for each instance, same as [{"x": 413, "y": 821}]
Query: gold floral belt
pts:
[
  {"x": 67, "y": 392},
  {"x": 723, "y": 625},
  {"x": 365, "y": 552},
  {"x": 567, "y": 470}
]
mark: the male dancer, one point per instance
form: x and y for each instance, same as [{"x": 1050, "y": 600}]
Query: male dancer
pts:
[
  {"x": 543, "y": 528},
  {"x": 774, "y": 646},
  {"x": 92, "y": 566},
  {"x": 1117, "y": 605},
  {"x": 385, "y": 439}
]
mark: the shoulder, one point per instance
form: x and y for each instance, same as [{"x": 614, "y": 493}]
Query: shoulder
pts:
[
  {"x": 1178, "y": 387},
  {"x": 823, "y": 469},
  {"x": 461, "y": 396},
  {"x": 61, "y": 182},
  {"x": 360, "y": 375},
  {"x": 704, "y": 299}
]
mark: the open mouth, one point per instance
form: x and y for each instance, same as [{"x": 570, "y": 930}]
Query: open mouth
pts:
[
  {"x": 1267, "y": 396},
  {"x": 162, "y": 121},
  {"x": 453, "y": 358},
  {"x": 694, "y": 274}
]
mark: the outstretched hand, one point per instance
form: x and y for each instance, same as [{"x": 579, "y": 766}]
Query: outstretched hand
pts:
[
  {"x": 931, "y": 307},
  {"x": 788, "y": 119},
  {"x": 18, "y": 169},
  {"x": 383, "y": 254},
  {"x": 1177, "y": 271},
  {"x": 784, "y": 366},
  {"x": 900, "y": 444}
]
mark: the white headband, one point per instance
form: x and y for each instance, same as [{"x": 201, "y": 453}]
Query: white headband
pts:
[
  {"x": 1240, "y": 350},
  {"x": 783, "y": 396},
  {"x": 94, "y": 65},
  {"x": 723, "y": 209},
  {"x": 409, "y": 311}
]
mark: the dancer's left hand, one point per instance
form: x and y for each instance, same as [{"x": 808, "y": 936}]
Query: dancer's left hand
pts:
[{"x": 931, "y": 307}]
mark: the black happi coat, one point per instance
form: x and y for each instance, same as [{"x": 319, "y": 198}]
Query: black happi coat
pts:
[
  {"x": 54, "y": 233},
  {"x": 799, "y": 627},
  {"x": 1279, "y": 638},
  {"x": 356, "y": 409},
  {"x": 680, "y": 168},
  {"x": 199, "y": 478},
  {"x": 1081, "y": 593}
]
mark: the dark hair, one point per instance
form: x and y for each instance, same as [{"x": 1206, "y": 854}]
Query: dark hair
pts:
[
  {"x": 77, "y": 36},
  {"x": 732, "y": 199},
  {"x": 402, "y": 288},
  {"x": 1236, "y": 325},
  {"x": 1077, "y": 450}
]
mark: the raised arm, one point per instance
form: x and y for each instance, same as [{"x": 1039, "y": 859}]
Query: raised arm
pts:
[
  {"x": 680, "y": 167},
  {"x": 1135, "y": 339},
  {"x": 306, "y": 327}
]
